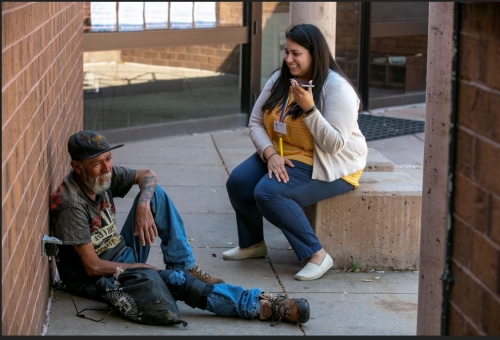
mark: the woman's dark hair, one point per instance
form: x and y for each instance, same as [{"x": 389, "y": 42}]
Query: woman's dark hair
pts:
[{"x": 311, "y": 38}]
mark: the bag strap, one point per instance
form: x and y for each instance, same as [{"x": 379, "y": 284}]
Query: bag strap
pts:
[
  {"x": 58, "y": 288},
  {"x": 194, "y": 293}
]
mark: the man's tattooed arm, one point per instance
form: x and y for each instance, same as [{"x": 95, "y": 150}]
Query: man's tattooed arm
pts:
[{"x": 147, "y": 185}]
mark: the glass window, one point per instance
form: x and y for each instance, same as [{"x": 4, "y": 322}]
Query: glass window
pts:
[
  {"x": 275, "y": 21},
  {"x": 138, "y": 87},
  {"x": 398, "y": 53},
  {"x": 130, "y": 87},
  {"x": 104, "y": 16},
  {"x": 346, "y": 39}
]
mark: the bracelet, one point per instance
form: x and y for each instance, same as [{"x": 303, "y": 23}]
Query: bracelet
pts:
[
  {"x": 271, "y": 156},
  {"x": 310, "y": 110}
]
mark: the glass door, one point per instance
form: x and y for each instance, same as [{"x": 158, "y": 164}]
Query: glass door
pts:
[
  {"x": 397, "y": 53},
  {"x": 150, "y": 68}
]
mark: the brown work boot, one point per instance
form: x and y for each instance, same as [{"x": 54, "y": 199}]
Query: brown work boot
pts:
[
  {"x": 200, "y": 274},
  {"x": 280, "y": 308}
]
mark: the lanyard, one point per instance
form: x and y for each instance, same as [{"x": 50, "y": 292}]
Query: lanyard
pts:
[{"x": 285, "y": 109}]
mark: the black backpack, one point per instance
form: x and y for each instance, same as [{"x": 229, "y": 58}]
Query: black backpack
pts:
[{"x": 141, "y": 296}]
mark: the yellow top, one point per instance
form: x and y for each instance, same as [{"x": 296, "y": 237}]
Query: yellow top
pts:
[{"x": 297, "y": 143}]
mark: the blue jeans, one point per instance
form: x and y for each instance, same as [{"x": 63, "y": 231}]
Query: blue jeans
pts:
[
  {"x": 224, "y": 300},
  {"x": 254, "y": 196},
  {"x": 176, "y": 251}
]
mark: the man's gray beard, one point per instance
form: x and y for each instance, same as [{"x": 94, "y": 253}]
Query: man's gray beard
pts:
[{"x": 93, "y": 184}]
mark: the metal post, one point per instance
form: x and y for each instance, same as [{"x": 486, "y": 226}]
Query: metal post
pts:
[{"x": 364, "y": 53}]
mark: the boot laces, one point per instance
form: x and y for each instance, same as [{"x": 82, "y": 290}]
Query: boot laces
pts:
[
  {"x": 200, "y": 272},
  {"x": 279, "y": 309}
]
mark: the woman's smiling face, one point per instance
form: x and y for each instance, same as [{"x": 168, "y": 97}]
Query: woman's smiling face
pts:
[{"x": 298, "y": 59}]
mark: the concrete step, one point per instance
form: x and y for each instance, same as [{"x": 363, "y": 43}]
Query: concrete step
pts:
[
  {"x": 375, "y": 161},
  {"x": 376, "y": 226}
]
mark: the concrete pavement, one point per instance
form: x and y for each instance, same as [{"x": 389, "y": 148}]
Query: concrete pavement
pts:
[{"x": 193, "y": 169}]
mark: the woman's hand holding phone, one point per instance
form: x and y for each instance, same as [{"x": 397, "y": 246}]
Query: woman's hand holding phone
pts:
[{"x": 303, "y": 95}]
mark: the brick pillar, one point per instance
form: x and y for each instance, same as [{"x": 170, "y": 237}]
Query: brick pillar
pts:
[
  {"x": 474, "y": 305},
  {"x": 434, "y": 185},
  {"x": 321, "y": 14}
]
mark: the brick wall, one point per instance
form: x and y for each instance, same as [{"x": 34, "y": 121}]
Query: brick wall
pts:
[
  {"x": 41, "y": 106},
  {"x": 218, "y": 57},
  {"x": 405, "y": 45},
  {"x": 223, "y": 58},
  {"x": 475, "y": 294}
]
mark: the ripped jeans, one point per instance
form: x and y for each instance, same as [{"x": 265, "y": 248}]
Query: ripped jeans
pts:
[{"x": 224, "y": 300}]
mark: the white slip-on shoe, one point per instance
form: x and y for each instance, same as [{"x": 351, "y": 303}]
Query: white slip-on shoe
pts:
[
  {"x": 312, "y": 271},
  {"x": 238, "y": 253}
]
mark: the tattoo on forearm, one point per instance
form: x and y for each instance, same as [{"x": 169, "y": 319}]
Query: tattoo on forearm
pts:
[{"x": 147, "y": 185}]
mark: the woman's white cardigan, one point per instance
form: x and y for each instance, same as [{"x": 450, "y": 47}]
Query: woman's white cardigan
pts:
[{"x": 339, "y": 146}]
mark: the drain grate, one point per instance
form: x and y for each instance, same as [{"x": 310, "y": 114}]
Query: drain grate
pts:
[{"x": 377, "y": 127}]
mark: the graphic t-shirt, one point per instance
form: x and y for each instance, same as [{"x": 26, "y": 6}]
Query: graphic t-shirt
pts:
[{"x": 77, "y": 219}]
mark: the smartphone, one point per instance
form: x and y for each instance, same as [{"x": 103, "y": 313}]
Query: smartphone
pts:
[{"x": 302, "y": 83}]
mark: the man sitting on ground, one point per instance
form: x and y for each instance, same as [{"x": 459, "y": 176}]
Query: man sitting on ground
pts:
[{"x": 82, "y": 216}]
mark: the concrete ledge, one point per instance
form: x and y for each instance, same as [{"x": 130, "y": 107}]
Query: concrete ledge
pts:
[
  {"x": 375, "y": 161},
  {"x": 181, "y": 127},
  {"x": 376, "y": 225}
]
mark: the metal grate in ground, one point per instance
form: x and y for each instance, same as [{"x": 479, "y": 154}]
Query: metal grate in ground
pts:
[{"x": 377, "y": 127}]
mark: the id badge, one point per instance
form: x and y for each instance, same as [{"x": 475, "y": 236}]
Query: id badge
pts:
[{"x": 280, "y": 127}]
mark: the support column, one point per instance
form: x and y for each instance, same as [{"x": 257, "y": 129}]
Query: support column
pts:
[
  {"x": 321, "y": 14},
  {"x": 436, "y": 159}
]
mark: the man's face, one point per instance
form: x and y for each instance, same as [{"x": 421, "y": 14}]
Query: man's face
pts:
[{"x": 96, "y": 172}]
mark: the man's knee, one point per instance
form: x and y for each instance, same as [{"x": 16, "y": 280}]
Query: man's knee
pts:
[{"x": 185, "y": 287}]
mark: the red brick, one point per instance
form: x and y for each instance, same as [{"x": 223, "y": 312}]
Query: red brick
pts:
[
  {"x": 471, "y": 203},
  {"x": 462, "y": 243},
  {"x": 6, "y": 66},
  {"x": 8, "y": 317},
  {"x": 466, "y": 294},
  {"x": 193, "y": 49},
  {"x": 494, "y": 224},
  {"x": 200, "y": 59},
  {"x": 493, "y": 63},
  {"x": 490, "y": 314},
  {"x": 481, "y": 18},
  {"x": 464, "y": 154},
  {"x": 485, "y": 260},
  {"x": 494, "y": 117},
  {"x": 8, "y": 103},
  {"x": 7, "y": 6},
  {"x": 10, "y": 135},
  {"x": 473, "y": 109},
  {"x": 472, "y": 329},
  {"x": 468, "y": 57},
  {"x": 159, "y": 62},
  {"x": 487, "y": 163},
  {"x": 456, "y": 322}
]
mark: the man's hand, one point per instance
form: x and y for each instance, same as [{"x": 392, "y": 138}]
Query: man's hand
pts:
[
  {"x": 94, "y": 266},
  {"x": 145, "y": 226}
]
